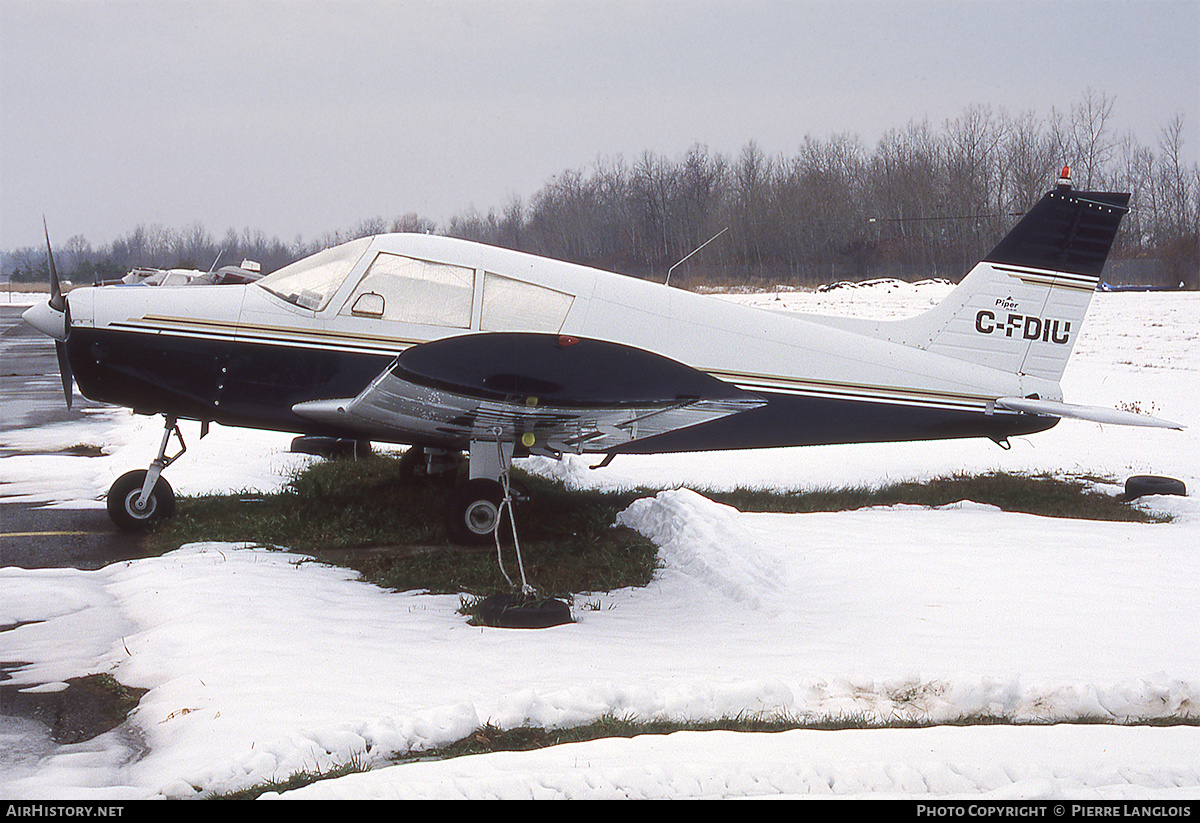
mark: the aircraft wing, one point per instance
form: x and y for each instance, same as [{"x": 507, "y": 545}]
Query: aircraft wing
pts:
[{"x": 550, "y": 393}]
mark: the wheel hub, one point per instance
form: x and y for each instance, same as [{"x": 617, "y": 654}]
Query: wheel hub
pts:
[
  {"x": 482, "y": 516},
  {"x": 136, "y": 507}
]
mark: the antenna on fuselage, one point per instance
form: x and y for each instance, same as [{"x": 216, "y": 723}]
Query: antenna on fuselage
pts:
[{"x": 667, "y": 282}]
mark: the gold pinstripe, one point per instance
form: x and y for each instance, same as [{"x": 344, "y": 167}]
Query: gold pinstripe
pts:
[
  {"x": 1050, "y": 279},
  {"x": 350, "y": 341}
]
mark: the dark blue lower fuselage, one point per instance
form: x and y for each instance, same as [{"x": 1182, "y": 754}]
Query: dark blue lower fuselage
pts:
[{"x": 255, "y": 385}]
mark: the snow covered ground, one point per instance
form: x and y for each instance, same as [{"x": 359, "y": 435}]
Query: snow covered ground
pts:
[{"x": 259, "y": 664}]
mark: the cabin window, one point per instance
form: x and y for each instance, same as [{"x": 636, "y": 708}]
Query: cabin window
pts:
[
  {"x": 514, "y": 305},
  {"x": 309, "y": 283},
  {"x": 407, "y": 290}
]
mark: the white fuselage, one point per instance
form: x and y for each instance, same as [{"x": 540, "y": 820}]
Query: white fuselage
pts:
[{"x": 753, "y": 348}]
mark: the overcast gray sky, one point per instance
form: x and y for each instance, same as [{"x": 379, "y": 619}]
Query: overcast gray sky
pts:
[{"x": 297, "y": 118}]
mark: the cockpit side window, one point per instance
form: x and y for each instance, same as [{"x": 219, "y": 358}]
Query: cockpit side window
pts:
[
  {"x": 514, "y": 305},
  {"x": 310, "y": 282},
  {"x": 408, "y": 290}
]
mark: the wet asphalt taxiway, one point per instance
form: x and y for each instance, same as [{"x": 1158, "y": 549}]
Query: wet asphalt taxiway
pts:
[
  {"x": 31, "y": 395},
  {"x": 32, "y": 536}
]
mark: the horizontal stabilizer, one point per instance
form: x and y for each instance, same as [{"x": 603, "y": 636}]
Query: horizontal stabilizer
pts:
[{"x": 1097, "y": 414}]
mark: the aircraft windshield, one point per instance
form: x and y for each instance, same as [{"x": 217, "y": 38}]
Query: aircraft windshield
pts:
[{"x": 309, "y": 283}]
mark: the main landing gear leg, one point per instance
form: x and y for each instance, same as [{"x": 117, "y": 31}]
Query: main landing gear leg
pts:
[
  {"x": 480, "y": 507},
  {"x": 141, "y": 498},
  {"x": 484, "y": 504}
]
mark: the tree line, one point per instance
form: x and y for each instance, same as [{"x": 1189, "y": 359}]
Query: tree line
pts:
[{"x": 925, "y": 201}]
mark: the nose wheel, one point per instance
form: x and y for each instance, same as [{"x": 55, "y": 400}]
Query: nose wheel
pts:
[
  {"x": 125, "y": 506},
  {"x": 141, "y": 498}
]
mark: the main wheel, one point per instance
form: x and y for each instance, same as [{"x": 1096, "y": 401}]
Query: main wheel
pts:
[
  {"x": 474, "y": 512},
  {"x": 123, "y": 497}
]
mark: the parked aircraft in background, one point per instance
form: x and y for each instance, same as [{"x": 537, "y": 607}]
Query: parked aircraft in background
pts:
[
  {"x": 451, "y": 347},
  {"x": 248, "y": 272}
]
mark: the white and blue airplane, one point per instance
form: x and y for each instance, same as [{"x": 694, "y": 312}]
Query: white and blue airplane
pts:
[{"x": 455, "y": 347}]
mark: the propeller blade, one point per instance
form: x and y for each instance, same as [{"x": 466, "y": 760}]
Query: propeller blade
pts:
[
  {"x": 56, "y": 297},
  {"x": 58, "y": 302},
  {"x": 64, "y": 369}
]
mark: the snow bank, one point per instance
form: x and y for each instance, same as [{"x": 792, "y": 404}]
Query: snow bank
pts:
[
  {"x": 706, "y": 541},
  {"x": 980, "y": 763}
]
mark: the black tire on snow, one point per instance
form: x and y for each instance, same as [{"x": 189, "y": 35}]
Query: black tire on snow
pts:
[
  {"x": 124, "y": 493},
  {"x": 1141, "y": 485},
  {"x": 508, "y": 611},
  {"x": 474, "y": 512}
]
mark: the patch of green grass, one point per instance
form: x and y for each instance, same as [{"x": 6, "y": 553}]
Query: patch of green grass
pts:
[
  {"x": 296, "y": 780},
  {"x": 490, "y": 738},
  {"x": 1041, "y": 494},
  {"x": 364, "y": 514},
  {"x": 119, "y": 699}
]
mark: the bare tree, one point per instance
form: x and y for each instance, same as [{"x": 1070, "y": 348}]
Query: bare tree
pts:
[
  {"x": 751, "y": 178},
  {"x": 1092, "y": 140},
  {"x": 1029, "y": 159}
]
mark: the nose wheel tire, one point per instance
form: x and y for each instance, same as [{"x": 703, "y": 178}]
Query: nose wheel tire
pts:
[
  {"x": 474, "y": 512},
  {"x": 123, "y": 498}
]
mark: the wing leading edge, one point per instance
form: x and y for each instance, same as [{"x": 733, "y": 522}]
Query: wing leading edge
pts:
[{"x": 549, "y": 393}]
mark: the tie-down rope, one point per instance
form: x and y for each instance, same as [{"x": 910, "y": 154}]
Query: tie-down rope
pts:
[{"x": 507, "y": 502}]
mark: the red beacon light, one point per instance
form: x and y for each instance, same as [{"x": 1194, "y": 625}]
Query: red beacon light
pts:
[{"x": 1064, "y": 178}]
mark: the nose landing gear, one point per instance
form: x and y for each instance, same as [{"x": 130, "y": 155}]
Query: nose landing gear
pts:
[{"x": 143, "y": 497}]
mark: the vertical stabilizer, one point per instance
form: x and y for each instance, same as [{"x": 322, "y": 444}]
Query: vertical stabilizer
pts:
[{"x": 1020, "y": 309}]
